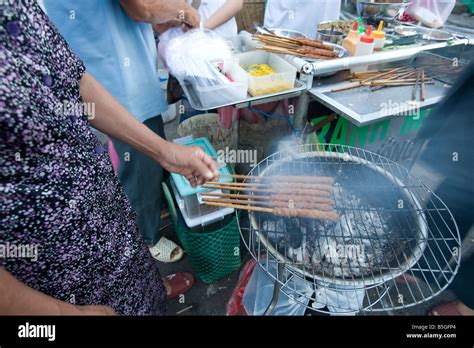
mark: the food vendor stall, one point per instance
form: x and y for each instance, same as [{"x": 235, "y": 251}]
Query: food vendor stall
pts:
[
  {"x": 337, "y": 183},
  {"x": 385, "y": 119}
]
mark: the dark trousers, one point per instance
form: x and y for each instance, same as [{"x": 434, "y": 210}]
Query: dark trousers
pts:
[{"x": 141, "y": 178}]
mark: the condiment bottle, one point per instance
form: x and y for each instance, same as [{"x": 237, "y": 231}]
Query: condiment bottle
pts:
[
  {"x": 364, "y": 47},
  {"x": 379, "y": 36},
  {"x": 351, "y": 40},
  {"x": 361, "y": 27}
]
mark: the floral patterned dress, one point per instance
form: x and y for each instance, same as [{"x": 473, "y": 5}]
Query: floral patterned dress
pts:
[{"x": 58, "y": 191}]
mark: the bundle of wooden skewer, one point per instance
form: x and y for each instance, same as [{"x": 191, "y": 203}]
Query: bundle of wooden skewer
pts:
[
  {"x": 308, "y": 48},
  {"x": 290, "y": 196},
  {"x": 403, "y": 76}
]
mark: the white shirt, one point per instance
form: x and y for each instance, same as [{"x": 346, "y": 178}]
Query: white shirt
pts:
[
  {"x": 207, "y": 8},
  {"x": 301, "y": 15}
]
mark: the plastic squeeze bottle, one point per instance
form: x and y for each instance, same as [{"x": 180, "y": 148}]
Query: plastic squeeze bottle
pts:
[
  {"x": 361, "y": 27},
  {"x": 379, "y": 36},
  {"x": 364, "y": 47},
  {"x": 351, "y": 40}
]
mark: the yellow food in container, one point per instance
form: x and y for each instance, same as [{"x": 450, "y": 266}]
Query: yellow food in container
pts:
[
  {"x": 260, "y": 70},
  {"x": 259, "y": 88},
  {"x": 268, "y": 73}
]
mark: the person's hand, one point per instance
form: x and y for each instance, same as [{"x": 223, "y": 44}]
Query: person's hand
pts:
[
  {"x": 95, "y": 310},
  {"x": 190, "y": 17},
  {"x": 191, "y": 162},
  {"x": 161, "y": 28}
]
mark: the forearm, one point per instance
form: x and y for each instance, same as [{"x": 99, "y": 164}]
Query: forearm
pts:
[
  {"x": 223, "y": 14},
  {"x": 114, "y": 119},
  {"x": 155, "y": 11},
  {"x": 18, "y": 299}
]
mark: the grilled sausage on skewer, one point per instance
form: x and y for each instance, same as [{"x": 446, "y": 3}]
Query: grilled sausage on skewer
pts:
[
  {"x": 302, "y": 199},
  {"x": 307, "y": 213}
]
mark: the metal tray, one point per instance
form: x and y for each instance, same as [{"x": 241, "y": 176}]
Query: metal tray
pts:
[
  {"x": 427, "y": 33},
  {"x": 249, "y": 101},
  {"x": 362, "y": 106}
]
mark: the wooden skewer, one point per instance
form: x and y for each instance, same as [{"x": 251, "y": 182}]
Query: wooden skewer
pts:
[
  {"x": 423, "y": 89},
  {"x": 402, "y": 76},
  {"x": 388, "y": 81},
  {"x": 294, "y": 53},
  {"x": 395, "y": 74},
  {"x": 242, "y": 207},
  {"x": 371, "y": 72},
  {"x": 241, "y": 176},
  {"x": 397, "y": 84},
  {"x": 282, "y": 198},
  {"x": 288, "y": 191},
  {"x": 233, "y": 188},
  {"x": 288, "y": 212},
  {"x": 294, "y": 41},
  {"x": 390, "y": 84},
  {"x": 274, "y": 204},
  {"x": 236, "y": 201},
  {"x": 249, "y": 184},
  {"x": 395, "y": 80},
  {"x": 358, "y": 84},
  {"x": 234, "y": 195},
  {"x": 415, "y": 88},
  {"x": 275, "y": 185},
  {"x": 323, "y": 192},
  {"x": 295, "y": 178}
]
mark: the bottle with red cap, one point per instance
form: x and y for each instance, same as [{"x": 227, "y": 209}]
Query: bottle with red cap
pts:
[
  {"x": 364, "y": 47},
  {"x": 350, "y": 42}
]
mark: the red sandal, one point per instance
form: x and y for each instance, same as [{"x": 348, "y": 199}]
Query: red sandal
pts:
[{"x": 179, "y": 283}]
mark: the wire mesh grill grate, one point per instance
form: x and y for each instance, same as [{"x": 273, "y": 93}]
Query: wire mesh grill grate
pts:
[{"x": 396, "y": 244}]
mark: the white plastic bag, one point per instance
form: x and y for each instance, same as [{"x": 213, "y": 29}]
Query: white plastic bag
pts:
[
  {"x": 189, "y": 54},
  {"x": 433, "y": 13},
  {"x": 259, "y": 292},
  {"x": 165, "y": 39}
]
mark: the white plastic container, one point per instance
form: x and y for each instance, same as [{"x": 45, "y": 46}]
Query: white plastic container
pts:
[
  {"x": 283, "y": 80},
  {"x": 364, "y": 47},
  {"x": 195, "y": 213},
  {"x": 227, "y": 93}
]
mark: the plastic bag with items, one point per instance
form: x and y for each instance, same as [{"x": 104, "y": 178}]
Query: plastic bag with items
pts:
[
  {"x": 259, "y": 292},
  {"x": 431, "y": 13},
  {"x": 194, "y": 55}
]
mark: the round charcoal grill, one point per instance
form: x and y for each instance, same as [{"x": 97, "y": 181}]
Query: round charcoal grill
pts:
[{"x": 395, "y": 245}]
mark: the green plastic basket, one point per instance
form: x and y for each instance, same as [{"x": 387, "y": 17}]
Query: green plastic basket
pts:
[
  {"x": 470, "y": 5},
  {"x": 214, "y": 254}
]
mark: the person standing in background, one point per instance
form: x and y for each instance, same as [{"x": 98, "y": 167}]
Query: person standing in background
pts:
[
  {"x": 216, "y": 15},
  {"x": 301, "y": 15},
  {"x": 219, "y": 15},
  {"x": 115, "y": 40}
]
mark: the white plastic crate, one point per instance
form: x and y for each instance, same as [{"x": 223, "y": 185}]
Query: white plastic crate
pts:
[
  {"x": 195, "y": 213},
  {"x": 226, "y": 93}
]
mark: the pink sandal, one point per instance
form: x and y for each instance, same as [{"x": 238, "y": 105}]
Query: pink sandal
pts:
[{"x": 179, "y": 283}]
